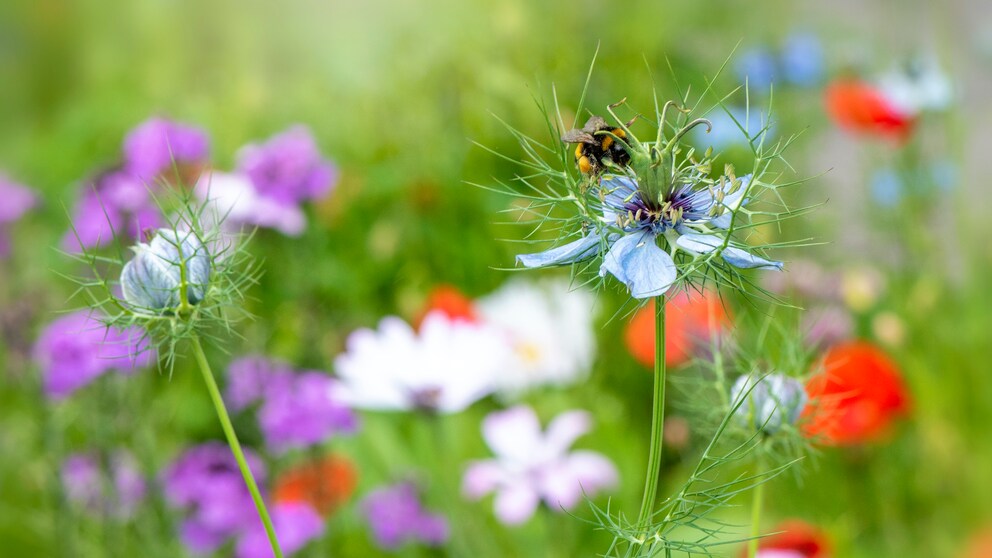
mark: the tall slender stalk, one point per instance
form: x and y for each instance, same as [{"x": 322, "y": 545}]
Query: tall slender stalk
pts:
[
  {"x": 752, "y": 543},
  {"x": 657, "y": 416},
  {"x": 232, "y": 440}
]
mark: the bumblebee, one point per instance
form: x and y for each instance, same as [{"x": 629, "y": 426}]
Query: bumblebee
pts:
[{"x": 597, "y": 145}]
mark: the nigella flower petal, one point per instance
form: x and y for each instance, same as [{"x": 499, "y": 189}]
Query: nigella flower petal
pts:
[
  {"x": 148, "y": 282},
  {"x": 704, "y": 244},
  {"x": 618, "y": 189},
  {"x": 722, "y": 222},
  {"x": 573, "y": 252},
  {"x": 637, "y": 262}
]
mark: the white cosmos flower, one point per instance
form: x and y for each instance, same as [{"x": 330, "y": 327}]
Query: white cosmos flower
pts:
[
  {"x": 549, "y": 325},
  {"x": 444, "y": 367}
]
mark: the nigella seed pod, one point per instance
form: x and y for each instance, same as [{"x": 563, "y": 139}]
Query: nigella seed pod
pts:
[
  {"x": 775, "y": 401},
  {"x": 153, "y": 278}
]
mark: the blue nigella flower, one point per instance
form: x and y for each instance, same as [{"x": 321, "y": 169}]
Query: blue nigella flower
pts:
[
  {"x": 690, "y": 217},
  {"x": 887, "y": 188},
  {"x": 758, "y": 67},
  {"x": 802, "y": 60},
  {"x": 726, "y": 133}
]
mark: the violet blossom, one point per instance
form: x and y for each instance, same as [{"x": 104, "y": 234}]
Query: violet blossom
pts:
[
  {"x": 153, "y": 146},
  {"x": 119, "y": 495},
  {"x": 17, "y": 200},
  {"x": 396, "y": 517},
  {"x": 295, "y": 525},
  {"x": 270, "y": 184},
  {"x": 77, "y": 348},
  {"x": 206, "y": 481},
  {"x": 121, "y": 202},
  {"x": 297, "y": 410}
]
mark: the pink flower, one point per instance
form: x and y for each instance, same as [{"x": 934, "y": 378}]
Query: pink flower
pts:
[
  {"x": 17, "y": 200},
  {"x": 152, "y": 147},
  {"x": 532, "y": 465}
]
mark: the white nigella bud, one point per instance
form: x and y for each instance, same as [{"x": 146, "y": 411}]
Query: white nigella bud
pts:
[
  {"x": 776, "y": 400},
  {"x": 152, "y": 279}
]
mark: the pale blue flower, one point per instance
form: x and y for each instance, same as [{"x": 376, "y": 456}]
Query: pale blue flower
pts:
[
  {"x": 887, "y": 188},
  {"x": 726, "y": 133},
  {"x": 768, "y": 403},
  {"x": 152, "y": 279},
  {"x": 802, "y": 60},
  {"x": 758, "y": 67},
  {"x": 692, "y": 218}
]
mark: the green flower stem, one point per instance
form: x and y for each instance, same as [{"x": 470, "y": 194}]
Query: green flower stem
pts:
[
  {"x": 657, "y": 416},
  {"x": 232, "y": 440},
  {"x": 752, "y": 543}
]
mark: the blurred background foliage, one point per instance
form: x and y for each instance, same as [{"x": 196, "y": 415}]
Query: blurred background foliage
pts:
[{"x": 396, "y": 92}]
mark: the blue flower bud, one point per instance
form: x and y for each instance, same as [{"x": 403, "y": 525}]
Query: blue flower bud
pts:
[
  {"x": 776, "y": 400},
  {"x": 152, "y": 279}
]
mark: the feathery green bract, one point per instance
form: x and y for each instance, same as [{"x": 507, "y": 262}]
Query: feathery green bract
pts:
[{"x": 232, "y": 272}]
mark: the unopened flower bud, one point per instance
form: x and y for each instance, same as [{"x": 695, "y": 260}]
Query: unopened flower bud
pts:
[
  {"x": 153, "y": 278},
  {"x": 775, "y": 401}
]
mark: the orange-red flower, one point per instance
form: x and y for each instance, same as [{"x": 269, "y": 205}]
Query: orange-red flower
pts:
[
  {"x": 799, "y": 537},
  {"x": 324, "y": 484},
  {"x": 862, "y": 108},
  {"x": 450, "y": 301},
  {"x": 856, "y": 397},
  {"x": 690, "y": 318},
  {"x": 980, "y": 545}
]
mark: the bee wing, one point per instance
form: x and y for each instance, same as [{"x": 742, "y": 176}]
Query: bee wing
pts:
[
  {"x": 577, "y": 136},
  {"x": 595, "y": 124}
]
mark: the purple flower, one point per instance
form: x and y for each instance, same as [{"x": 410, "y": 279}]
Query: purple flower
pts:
[
  {"x": 114, "y": 204},
  {"x": 206, "y": 480},
  {"x": 306, "y": 414},
  {"x": 250, "y": 378},
  {"x": 152, "y": 146},
  {"x": 81, "y": 477},
  {"x": 288, "y": 168},
  {"x": 298, "y": 410},
  {"x": 295, "y": 524},
  {"x": 532, "y": 465},
  {"x": 234, "y": 201},
  {"x": 16, "y": 201},
  {"x": 74, "y": 350},
  {"x": 396, "y": 517}
]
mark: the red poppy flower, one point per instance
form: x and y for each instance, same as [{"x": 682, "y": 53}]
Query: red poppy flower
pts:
[
  {"x": 856, "y": 397},
  {"x": 798, "y": 537},
  {"x": 324, "y": 484},
  {"x": 860, "y": 107},
  {"x": 690, "y": 318},
  {"x": 450, "y": 301}
]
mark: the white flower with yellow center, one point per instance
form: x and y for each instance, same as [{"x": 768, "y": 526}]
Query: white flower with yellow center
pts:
[{"x": 549, "y": 324}]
